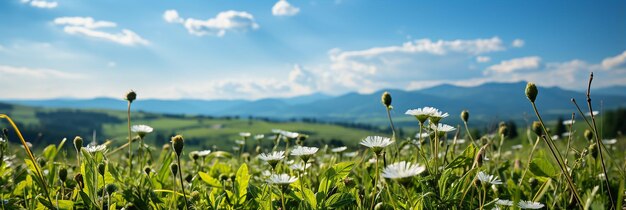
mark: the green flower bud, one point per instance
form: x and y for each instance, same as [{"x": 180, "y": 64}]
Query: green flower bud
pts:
[
  {"x": 101, "y": 168},
  {"x": 188, "y": 178},
  {"x": 111, "y": 188},
  {"x": 223, "y": 177},
  {"x": 79, "y": 179},
  {"x": 537, "y": 129},
  {"x": 503, "y": 130},
  {"x": 178, "y": 142},
  {"x": 533, "y": 182},
  {"x": 589, "y": 135},
  {"x": 465, "y": 115},
  {"x": 386, "y": 99},
  {"x": 131, "y": 96},
  {"x": 174, "y": 168},
  {"x": 531, "y": 91},
  {"x": 148, "y": 170},
  {"x": 78, "y": 143},
  {"x": 63, "y": 174}
]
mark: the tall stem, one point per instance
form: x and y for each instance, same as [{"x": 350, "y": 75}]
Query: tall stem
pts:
[
  {"x": 393, "y": 132},
  {"x": 282, "y": 198},
  {"x": 529, "y": 159},
  {"x": 130, "y": 145},
  {"x": 469, "y": 134},
  {"x": 182, "y": 184},
  {"x": 375, "y": 184}
]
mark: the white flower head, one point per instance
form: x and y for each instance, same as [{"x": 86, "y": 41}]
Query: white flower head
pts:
[
  {"x": 240, "y": 142},
  {"x": 401, "y": 170},
  {"x": 486, "y": 178},
  {"x": 304, "y": 151},
  {"x": 609, "y": 141},
  {"x": 351, "y": 154},
  {"x": 422, "y": 135},
  {"x": 95, "y": 148},
  {"x": 274, "y": 156},
  {"x": 376, "y": 143},
  {"x": 203, "y": 153},
  {"x": 291, "y": 135},
  {"x": 299, "y": 166},
  {"x": 281, "y": 179},
  {"x": 421, "y": 114},
  {"x": 245, "y": 134},
  {"x": 442, "y": 127},
  {"x": 259, "y": 136},
  {"x": 530, "y": 205},
  {"x": 2, "y": 140},
  {"x": 339, "y": 149},
  {"x": 504, "y": 202},
  {"x": 141, "y": 130},
  {"x": 517, "y": 147},
  {"x": 568, "y": 122}
]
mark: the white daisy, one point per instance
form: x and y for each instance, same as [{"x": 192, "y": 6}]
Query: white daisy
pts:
[
  {"x": 95, "y": 148},
  {"x": 141, "y": 130},
  {"x": 442, "y": 127},
  {"x": 486, "y": 178},
  {"x": 422, "y": 135},
  {"x": 274, "y": 156},
  {"x": 2, "y": 140},
  {"x": 504, "y": 202},
  {"x": 339, "y": 149},
  {"x": 517, "y": 146},
  {"x": 298, "y": 166},
  {"x": 530, "y": 205},
  {"x": 203, "y": 153},
  {"x": 304, "y": 151},
  {"x": 609, "y": 141},
  {"x": 281, "y": 179},
  {"x": 240, "y": 142},
  {"x": 402, "y": 170},
  {"x": 259, "y": 136},
  {"x": 568, "y": 122},
  {"x": 376, "y": 142},
  {"x": 351, "y": 154},
  {"x": 421, "y": 114},
  {"x": 291, "y": 135},
  {"x": 594, "y": 113},
  {"x": 245, "y": 134}
]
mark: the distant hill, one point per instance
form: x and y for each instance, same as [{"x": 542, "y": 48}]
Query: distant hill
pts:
[
  {"x": 487, "y": 103},
  {"x": 612, "y": 90}
]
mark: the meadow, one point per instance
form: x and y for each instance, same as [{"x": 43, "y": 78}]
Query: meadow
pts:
[{"x": 269, "y": 165}]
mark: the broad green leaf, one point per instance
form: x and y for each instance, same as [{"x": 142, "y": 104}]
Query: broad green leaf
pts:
[
  {"x": 242, "y": 179},
  {"x": 341, "y": 170},
  {"x": 50, "y": 151},
  {"x": 542, "y": 167},
  {"x": 339, "y": 200},
  {"x": 209, "y": 180}
]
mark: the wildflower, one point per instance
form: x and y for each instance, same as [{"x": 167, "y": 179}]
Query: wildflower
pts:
[
  {"x": 304, "y": 151},
  {"x": 178, "y": 143},
  {"x": 78, "y": 143},
  {"x": 203, "y": 153},
  {"x": 351, "y": 154},
  {"x": 486, "y": 178},
  {"x": 376, "y": 143},
  {"x": 568, "y": 122},
  {"x": 245, "y": 134},
  {"x": 537, "y": 128},
  {"x": 281, "y": 179},
  {"x": 436, "y": 116},
  {"x": 442, "y": 127},
  {"x": 142, "y": 130},
  {"x": 421, "y": 114},
  {"x": 504, "y": 202},
  {"x": 402, "y": 170},
  {"x": 240, "y": 142},
  {"x": 465, "y": 115},
  {"x": 421, "y": 135},
  {"x": 339, "y": 149},
  {"x": 517, "y": 146},
  {"x": 529, "y": 205},
  {"x": 259, "y": 136},
  {"x": 298, "y": 166},
  {"x": 95, "y": 148},
  {"x": 272, "y": 158},
  {"x": 291, "y": 135}
]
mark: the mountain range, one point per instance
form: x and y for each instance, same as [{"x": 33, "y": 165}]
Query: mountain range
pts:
[{"x": 486, "y": 103}]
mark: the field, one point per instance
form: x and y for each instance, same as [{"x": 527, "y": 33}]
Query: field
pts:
[{"x": 297, "y": 165}]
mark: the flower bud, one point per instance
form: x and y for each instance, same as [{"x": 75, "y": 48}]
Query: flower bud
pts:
[
  {"x": 178, "y": 142},
  {"x": 148, "y": 170},
  {"x": 537, "y": 128},
  {"x": 188, "y": 178},
  {"x": 593, "y": 148},
  {"x": 79, "y": 179},
  {"x": 131, "y": 96},
  {"x": 63, "y": 174},
  {"x": 223, "y": 177},
  {"x": 111, "y": 188},
  {"x": 589, "y": 135},
  {"x": 101, "y": 168},
  {"x": 465, "y": 115},
  {"x": 78, "y": 143},
  {"x": 386, "y": 99},
  {"x": 531, "y": 92},
  {"x": 174, "y": 169},
  {"x": 503, "y": 130},
  {"x": 533, "y": 182}
]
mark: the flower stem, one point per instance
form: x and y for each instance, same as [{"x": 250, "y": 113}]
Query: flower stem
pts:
[
  {"x": 130, "y": 146},
  {"x": 282, "y": 199},
  {"x": 182, "y": 184},
  {"x": 530, "y": 157},
  {"x": 375, "y": 184}
]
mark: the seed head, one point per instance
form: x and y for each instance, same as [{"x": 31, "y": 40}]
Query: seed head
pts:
[
  {"x": 131, "y": 96},
  {"x": 588, "y": 135},
  {"x": 78, "y": 143},
  {"x": 101, "y": 168},
  {"x": 503, "y": 130},
  {"x": 174, "y": 168},
  {"x": 465, "y": 115},
  {"x": 531, "y": 92},
  {"x": 537, "y": 128},
  {"x": 178, "y": 142},
  {"x": 63, "y": 174},
  {"x": 386, "y": 99}
]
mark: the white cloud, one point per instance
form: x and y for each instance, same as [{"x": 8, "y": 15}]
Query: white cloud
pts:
[
  {"x": 615, "y": 61},
  {"x": 218, "y": 26},
  {"x": 518, "y": 43},
  {"x": 483, "y": 59},
  {"x": 283, "y": 8},
  {"x": 87, "y": 26},
  {"x": 8, "y": 71},
  {"x": 41, "y": 3},
  {"x": 112, "y": 64},
  {"x": 512, "y": 65}
]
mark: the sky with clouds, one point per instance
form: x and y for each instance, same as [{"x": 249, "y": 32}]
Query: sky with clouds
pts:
[{"x": 228, "y": 49}]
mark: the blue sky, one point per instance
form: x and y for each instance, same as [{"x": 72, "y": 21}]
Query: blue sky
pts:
[{"x": 210, "y": 49}]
